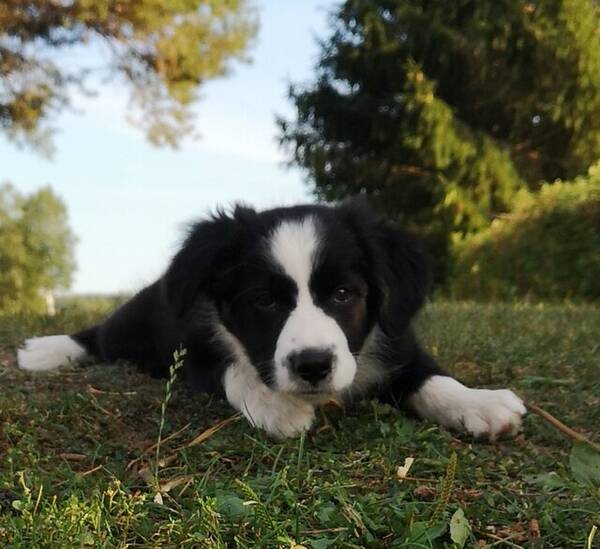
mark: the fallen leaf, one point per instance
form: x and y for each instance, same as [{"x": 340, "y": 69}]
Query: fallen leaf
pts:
[
  {"x": 424, "y": 492},
  {"x": 404, "y": 469},
  {"x": 166, "y": 486},
  {"x": 585, "y": 464},
  {"x": 460, "y": 528},
  {"x": 534, "y": 529}
]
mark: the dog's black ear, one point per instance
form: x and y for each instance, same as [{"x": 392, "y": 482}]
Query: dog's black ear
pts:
[
  {"x": 204, "y": 263},
  {"x": 404, "y": 278},
  {"x": 398, "y": 267}
]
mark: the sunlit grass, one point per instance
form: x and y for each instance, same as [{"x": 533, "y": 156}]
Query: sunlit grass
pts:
[{"x": 76, "y": 447}]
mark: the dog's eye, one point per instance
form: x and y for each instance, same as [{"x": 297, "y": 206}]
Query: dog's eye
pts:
[
  {"x": 265, "y": 302},
  {"x": 342, "y": 295}
]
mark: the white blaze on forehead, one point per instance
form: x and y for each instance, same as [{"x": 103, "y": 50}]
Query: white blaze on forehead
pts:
[{"x": 294, "y": 245}]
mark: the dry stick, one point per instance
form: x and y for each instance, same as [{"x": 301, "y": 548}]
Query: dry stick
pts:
[
  {"x": 199, "y": 439},
  {"x": 94, "y": 391},
  {"x": 172, "y": 435},
  {"x": 323, "y": 531},
  {"x": 69, "y": 456},
  {"x": 561, "y": 426},
  {"x": 419, "y": 479},
  {"x": 209, "y": 432},
  {"x": 499, "y": 539},
  {"x": 89, "y": 472},
  {"x": 153, "y": 446}
]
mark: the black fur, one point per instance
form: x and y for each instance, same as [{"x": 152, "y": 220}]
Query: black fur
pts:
[{"x": 222, "y": 276}]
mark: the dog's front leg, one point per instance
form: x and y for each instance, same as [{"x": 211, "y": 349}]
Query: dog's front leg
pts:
[
  {"x": 434, "y": 395},
  {"x": 483, "y": 413},
  {"x": 280, "y": 414}
]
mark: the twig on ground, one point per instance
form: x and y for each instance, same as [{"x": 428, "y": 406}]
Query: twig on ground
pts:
[
  {"x": 90, "y": 471},
  {"x": 591, "y": 536},
  {"x": 96, "y": 405},
  {"x": 94, "y": 391},
  {"x": 39, "y": 498},
  {"x": 561, "y": 426},
  {"x": 499, "y": 539},
  {"x": 153, "y": 446},
  {"x": 167, "y": 460},
  {"x": 69, "y": 456},
  {"x": 209, "y": 432},
  {"x": 323, "y": 531}
]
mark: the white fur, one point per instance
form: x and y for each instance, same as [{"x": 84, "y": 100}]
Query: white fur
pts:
[
  {"x": 294, "y": 245},
  {"x": 280, "y": 414},
  {"x": 483, "y": 413},
  {"x": 41, "y": 354}
]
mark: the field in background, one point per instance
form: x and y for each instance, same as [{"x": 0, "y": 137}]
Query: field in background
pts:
[{"x": 77, "y": 467}]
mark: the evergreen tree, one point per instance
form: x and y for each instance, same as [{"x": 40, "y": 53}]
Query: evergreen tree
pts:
[{"x": 440, "y": 110}]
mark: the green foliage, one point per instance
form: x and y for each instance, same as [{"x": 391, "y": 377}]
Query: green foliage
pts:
[
  {"x": 585, "y": 464},
  {"x": 163, "y": 50},
  {"x": 74, "y": 444},
  {"x": 547, "y": 248},
  {"x": 36, "y": 248},
  {"x": 440, "y": 112},
  {"x": 446, "y": 490},
  {"x": 178, "y": 360}
]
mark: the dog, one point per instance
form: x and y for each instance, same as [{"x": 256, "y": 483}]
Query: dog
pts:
[{"x": 283, "y": 310}]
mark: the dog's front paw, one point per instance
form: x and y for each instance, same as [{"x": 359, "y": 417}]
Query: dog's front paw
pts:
[
  {"x": 281, "y": 415},
  {"x": 491, "y": 413},
  {"x": 483, "y": 413}
]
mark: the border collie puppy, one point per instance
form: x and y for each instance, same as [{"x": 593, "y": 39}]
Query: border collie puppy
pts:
[{"x": 283, "y": 310}]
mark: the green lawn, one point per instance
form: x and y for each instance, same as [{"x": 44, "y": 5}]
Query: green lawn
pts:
[{"x": 74, "y": 473}]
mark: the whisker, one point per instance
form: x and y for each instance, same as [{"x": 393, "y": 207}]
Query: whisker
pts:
[{"x": 249, "y": 415}]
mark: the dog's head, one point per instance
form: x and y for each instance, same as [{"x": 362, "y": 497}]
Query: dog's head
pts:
[{"x": 298, "y": 290}]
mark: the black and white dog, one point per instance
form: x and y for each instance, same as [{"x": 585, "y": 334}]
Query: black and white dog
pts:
[{"x": 284, "y": 309}]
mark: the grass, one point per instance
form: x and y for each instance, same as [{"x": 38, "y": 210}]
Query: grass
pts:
[{"x": 79, "y": 467}]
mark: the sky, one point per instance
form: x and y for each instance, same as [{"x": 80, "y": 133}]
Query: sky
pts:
[{"x": 130, "y": 202}]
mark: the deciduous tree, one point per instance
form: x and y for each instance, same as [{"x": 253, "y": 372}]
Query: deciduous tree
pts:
[
  {"x": 163, "y": 50},
  {"x": 36, "y": 248}
]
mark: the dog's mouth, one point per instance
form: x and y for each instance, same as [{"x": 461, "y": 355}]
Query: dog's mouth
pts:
[
  {"x": 300, "y": 387},
  {"x": 318, "y": 399},
  {"x": 309, "y": 392},
  {"x": 315, "y": 395}
]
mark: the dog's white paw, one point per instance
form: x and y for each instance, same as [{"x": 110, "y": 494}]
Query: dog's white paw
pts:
[
  {"x": 483, "y": 413},
  {"x": 48, "y": 353},
  {"x": 280, "y": 414},
  {"x": 490, "y": 413}
]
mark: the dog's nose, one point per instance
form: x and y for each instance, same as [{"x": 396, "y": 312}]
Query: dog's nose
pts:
[{"x": 312, "y": 365}]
